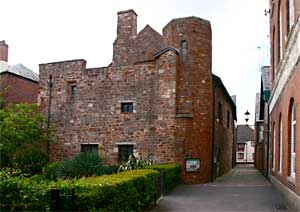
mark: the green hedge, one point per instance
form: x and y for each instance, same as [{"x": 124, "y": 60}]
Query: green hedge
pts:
[
  {"x": 171, "y": 174},
  {"x": 82, "y": 165},
  {"x": 127, "y": 191}
]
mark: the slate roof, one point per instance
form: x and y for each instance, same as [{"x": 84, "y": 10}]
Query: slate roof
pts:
[
  {"x": 244, "y": 133},
  {"x": 19, "y": 70}
]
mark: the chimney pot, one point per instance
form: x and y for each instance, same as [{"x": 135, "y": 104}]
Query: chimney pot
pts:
[{"x": 3, "y": 51}]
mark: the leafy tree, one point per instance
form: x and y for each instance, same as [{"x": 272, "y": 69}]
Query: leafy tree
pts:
[{"x": 23, "y": 138}]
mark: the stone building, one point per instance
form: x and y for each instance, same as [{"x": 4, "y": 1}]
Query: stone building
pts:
[
  {"x": 284, "y": 103},
  {"x": 18, "y": 84},
  {"x": 154, "y": 100}
]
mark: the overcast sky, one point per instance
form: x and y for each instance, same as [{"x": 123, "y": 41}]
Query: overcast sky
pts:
[{"x": 42, "y": 31}]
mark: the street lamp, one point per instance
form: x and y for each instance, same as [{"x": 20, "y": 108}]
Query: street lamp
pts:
[{"x": 247, "y": 114}]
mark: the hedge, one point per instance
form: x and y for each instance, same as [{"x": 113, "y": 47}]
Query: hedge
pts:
[
  {"x": 171, "y": 174},
  {"x": 127, "y": 191}
]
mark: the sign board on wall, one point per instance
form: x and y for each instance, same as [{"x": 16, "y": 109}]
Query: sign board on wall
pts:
[{"x": 192, "y": 165}]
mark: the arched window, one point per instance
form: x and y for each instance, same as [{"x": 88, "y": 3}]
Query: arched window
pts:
[
  {"x": 293, "y": 140},
  {"x": 279, "y": 34},
  {"x": 274, "y": 147},
  {"x": 273, "y": 55},
  {"x": 291, "y": 14},
  {"x": 280, "y": 145}
]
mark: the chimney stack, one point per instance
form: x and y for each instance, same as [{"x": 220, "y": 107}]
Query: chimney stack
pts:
[
  {"x": 3, "y": 51},
  {"x": 127, "y": 24}
]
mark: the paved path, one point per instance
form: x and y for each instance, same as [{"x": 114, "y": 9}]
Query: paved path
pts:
[{"x": 243, "y": 189}]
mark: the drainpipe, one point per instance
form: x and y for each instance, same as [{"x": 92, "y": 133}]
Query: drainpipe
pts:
[
  {"x": 50, "y": 84},
  {"x": 213, "y": 136},
  {"x": 267, "y": 174}
]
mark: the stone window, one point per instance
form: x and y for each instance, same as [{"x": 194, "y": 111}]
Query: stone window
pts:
[
  {"x": 125, "y": 151},
  {"x": 220, "y": 113},
  {"x": 291, "y": 14},
  {"x": 274, "y": 148},
  {"x": 280, "y": 145},
  {"x": 89, "y": 148},
  {"x": 126, "y": 107},
  {"x": 183, "y": 50},
  {"x": 292, "y": 143},
  {"x": 73, "y": 91},
  {"x": 280, "y": 34}
]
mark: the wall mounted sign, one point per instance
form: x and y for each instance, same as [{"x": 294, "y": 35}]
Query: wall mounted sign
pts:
[{"x": 192, "y": 165}]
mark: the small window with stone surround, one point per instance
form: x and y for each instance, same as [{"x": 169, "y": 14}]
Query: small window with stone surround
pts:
[
  {"x": 89, "y": 148},
  {"x": 127, "y": 107},
  {"x": 71, "y": 90},
  {"x": 125, "y": 150},
  {"x": 183, "y": 50}
]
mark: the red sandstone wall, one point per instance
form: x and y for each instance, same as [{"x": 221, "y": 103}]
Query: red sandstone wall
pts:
[
  {"x": 94, "y": 114},
  {"x": 18, "y": 89},
  {"x": 193, "y": 94}
]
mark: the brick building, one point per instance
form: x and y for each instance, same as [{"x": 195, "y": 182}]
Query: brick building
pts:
[
  {"x": 18, "y": 84},
  {"x": 154, "y": 100},
  {"x": 262, "y": 123},
  {"x": 284, "y": 103}
]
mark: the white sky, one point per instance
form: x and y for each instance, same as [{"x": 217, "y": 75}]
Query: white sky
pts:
[{"x": 42, "y": 31}]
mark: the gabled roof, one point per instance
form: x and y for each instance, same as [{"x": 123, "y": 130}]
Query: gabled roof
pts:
[
  {"x": 20, "y": 70},
  {"x": 170, "y": 48},
  {"x": 244, "y": 133}
]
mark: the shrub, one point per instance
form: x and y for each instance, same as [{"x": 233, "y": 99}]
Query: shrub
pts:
[
  {"x": 23, "y": 138},
  {"x": 30, "y": 158},
  {"x": 126, "y": 191},
  {"x": 84, "y": 164},
  {"x": 171, "y": 174}
]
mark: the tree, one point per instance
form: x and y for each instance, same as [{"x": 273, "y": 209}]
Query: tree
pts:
[{"x": 23, "y": 138}]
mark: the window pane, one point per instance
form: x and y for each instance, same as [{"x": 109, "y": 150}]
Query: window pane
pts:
[
  {"x": 127, "y": 107},
  {"x": 89, "y": 148}
]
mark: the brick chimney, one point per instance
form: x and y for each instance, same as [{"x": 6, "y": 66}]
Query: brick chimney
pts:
[
  {"x": 127, "y": 24},
  {"x": 3, "y": 51}
]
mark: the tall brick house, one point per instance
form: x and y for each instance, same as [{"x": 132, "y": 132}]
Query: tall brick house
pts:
[
  {"x": 154, "y": 100},
  {"x": 18, "y": 84},
  {"x": 284, "y": 103}
]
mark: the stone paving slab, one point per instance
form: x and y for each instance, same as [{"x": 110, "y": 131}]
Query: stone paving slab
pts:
[{"x": 243, "y": 189}]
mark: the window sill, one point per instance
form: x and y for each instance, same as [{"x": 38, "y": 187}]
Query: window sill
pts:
[{"x": 292, "y": 180}]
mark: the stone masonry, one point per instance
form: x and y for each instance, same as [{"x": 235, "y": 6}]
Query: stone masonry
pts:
[{"x": 168, "y": 80}]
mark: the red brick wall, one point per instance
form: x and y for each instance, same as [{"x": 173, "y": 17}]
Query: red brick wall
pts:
[
  {"x": 18, "y": 89},
  {"x": 274, "y": 31},
  {"x": 224, "y": 135},
  {"x": 282, "y": 106}
]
